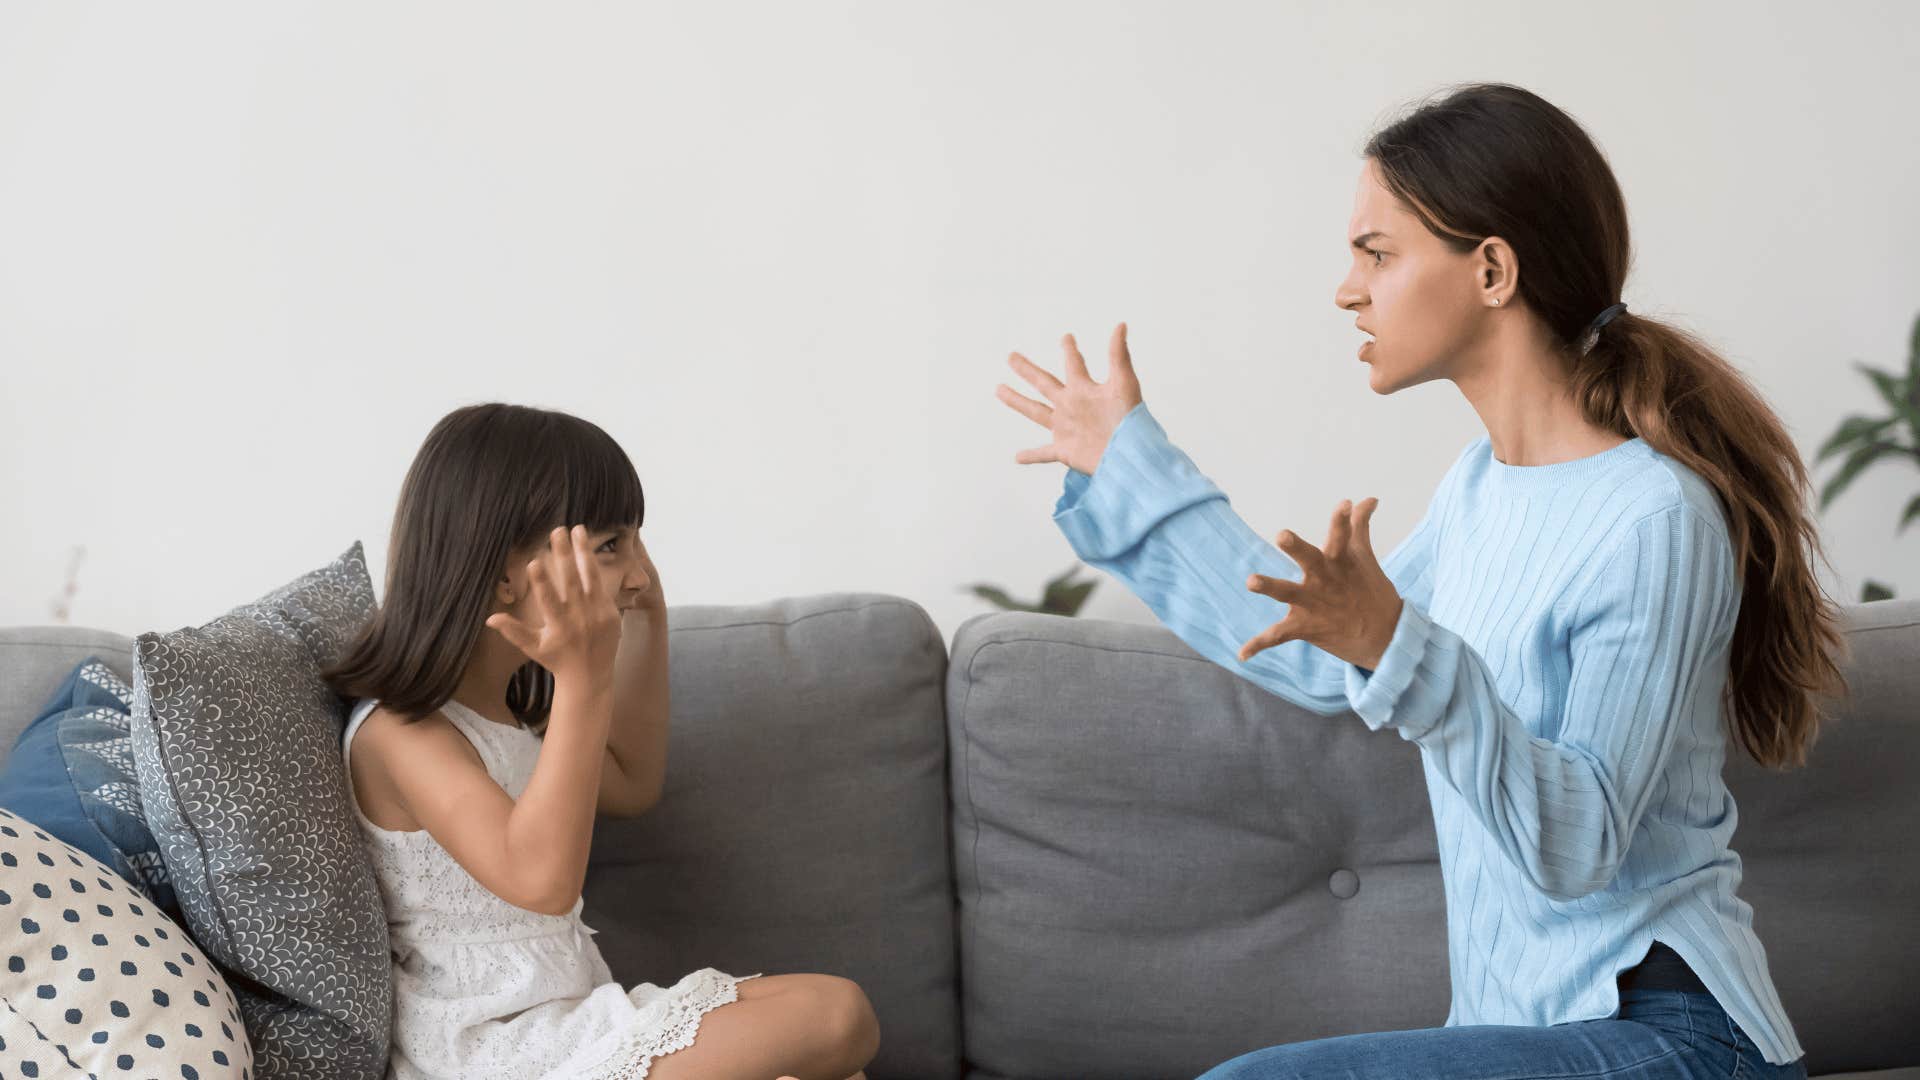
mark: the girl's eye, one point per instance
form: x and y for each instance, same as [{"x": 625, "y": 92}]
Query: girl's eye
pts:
[
  {"x": 609, "y": 544},
  {"x": 1376, "y": 255}
]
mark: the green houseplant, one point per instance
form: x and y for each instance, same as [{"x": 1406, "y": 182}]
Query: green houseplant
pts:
[
  {"x": 1060, "y": 596},
  {"x": 1867, "y": 439}
]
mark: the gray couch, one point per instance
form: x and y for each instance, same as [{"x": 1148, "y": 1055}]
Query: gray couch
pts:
[{"x": 1073, "y": 848}]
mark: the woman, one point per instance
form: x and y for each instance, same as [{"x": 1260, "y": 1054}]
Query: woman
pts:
[{"x": 1622, "y": 560}]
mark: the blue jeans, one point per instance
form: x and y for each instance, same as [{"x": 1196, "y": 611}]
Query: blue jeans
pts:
[{"x": 1658, "y": 1035}]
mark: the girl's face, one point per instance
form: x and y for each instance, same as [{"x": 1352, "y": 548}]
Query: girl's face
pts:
[
  {"x": 619, "y": 554},
  {"x": 1425, "y": 305}
]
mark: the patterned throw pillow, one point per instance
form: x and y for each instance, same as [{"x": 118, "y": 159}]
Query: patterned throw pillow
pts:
[
  {"x": 71, "y": 773},
  {"x": 96, "y": 981},
  {"x": 236, "y": 740}
]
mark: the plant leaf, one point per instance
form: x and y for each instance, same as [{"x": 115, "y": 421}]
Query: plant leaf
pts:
[
  {"x": 1860, "y": 458},
  {"x": 1853, "y": 429},
  {"x": 1913, "y": 351},
  {"x": 1067, "y": 599},
  {"x": 1896, "y": 390},
  {"x": 1873, "y": 590},
  {"x": 999, "y": 598},
  {"x": 1071, "y": 570},
  {"x": 1908, "y": 516}
]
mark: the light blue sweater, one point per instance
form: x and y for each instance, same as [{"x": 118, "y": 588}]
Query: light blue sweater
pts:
[{"x": 1559, "y": 662}]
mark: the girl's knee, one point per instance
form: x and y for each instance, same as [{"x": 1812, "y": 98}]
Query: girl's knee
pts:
[
  {"x": 850, "y": 1016},
  {"x": 836, "y": 1013}
]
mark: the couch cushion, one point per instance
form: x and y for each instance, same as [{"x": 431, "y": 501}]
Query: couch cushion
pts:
[
  {"x": 1160, "y": 866},
  {"x": 237, "y": 743},
  {"x": 1829, "y": 857},
  {"x": 33, "y": 661},
  {"x": 803, "y": 825}
]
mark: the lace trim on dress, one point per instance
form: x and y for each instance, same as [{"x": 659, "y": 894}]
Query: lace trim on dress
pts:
[{"x": 631, "y": 1057}]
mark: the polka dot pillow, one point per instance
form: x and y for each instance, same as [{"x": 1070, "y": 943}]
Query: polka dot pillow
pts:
[{"x": 96, "y": 981}]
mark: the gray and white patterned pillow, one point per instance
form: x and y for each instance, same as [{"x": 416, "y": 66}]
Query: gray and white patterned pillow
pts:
[{"x": 236, "y": 741}]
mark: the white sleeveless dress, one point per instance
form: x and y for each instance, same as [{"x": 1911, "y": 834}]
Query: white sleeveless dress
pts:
[{"x": 484, "y": 988}]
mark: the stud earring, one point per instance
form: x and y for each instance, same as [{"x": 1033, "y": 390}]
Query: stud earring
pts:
[{"x": 1496, "y": 301}]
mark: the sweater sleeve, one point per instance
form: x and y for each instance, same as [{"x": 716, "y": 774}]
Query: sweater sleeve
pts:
[
  {"x": 1647, "y": 644},
  {"x": 1149, "y": 518}
]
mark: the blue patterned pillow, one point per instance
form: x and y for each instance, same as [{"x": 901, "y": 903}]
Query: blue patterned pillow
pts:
[{"x": 71, "y": 773}]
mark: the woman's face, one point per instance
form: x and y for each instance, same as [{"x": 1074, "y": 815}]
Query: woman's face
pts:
[{"x": 1423, "y": 303}]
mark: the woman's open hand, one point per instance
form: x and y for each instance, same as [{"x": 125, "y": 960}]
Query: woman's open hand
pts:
[
  {"x": 567, "y": 619},
  {"x": 1083, "y": 413},
  {"x": 1345, "y": 603}
]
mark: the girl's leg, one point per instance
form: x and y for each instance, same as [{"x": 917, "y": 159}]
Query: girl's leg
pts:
[
  {"x": 811, "y": 1027},
  {"x": 1659, "y": 1035}
]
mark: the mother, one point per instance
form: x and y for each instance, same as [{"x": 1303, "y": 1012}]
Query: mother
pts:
[{"x": 1605, "y": 587}]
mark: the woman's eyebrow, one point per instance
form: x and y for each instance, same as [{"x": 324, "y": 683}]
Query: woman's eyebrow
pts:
[{"x": 1361, "y": 240}]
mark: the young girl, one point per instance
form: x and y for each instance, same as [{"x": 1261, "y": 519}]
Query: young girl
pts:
[
  {"x": 513, "y": 684},
  {"x": 1620, "y": 562}
]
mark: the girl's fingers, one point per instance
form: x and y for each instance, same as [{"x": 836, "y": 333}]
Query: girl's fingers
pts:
[
  {"x": 1341, "y": 530},
  {"x": 512, "y": 629},
  {"x": 540, "y": 599},
  {"x": 1118, "y": 357},
  {"x": 1076, "y": 364},
  {"x": 1025, "y": 406},
  {"x": 1037, "y": 456},
  {"x": 583, "y": 565},
  {"x": 1035, "y": 374},
  {"x": 1281, "y": 589},
  {"x": 557, "y": 551}
]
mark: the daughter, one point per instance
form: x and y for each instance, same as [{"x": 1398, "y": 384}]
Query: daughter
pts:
[{"x": 512, "y": 684}]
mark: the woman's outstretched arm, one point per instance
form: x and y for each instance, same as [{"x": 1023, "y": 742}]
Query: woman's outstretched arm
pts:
[{"x": 1152, "y": 520}]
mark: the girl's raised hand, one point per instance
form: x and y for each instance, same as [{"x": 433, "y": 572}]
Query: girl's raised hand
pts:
[
  {"x": 567, "y": 620},
  {"x": 1083, "y": 413},
  {"x": 1345, "y": 603}
]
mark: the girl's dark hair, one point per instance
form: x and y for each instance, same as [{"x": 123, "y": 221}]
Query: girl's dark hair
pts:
[
  {"x": 489, "y": 481},
  {"x": 1490, "y": 159}
]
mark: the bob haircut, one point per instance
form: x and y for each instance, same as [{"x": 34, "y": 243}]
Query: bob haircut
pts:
[{"x": 490, "y": 481}]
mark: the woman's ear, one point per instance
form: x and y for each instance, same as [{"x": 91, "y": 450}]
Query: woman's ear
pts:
[{"x": 1497, "y": 268}]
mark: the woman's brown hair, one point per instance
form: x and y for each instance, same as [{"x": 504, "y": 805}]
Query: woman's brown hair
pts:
[
  {"x": 490, "y": 480},
  {"x": 1490, "y": 159}
]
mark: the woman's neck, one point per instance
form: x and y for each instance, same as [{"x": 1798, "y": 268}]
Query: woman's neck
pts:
[{"x": 1522, "y": 390}]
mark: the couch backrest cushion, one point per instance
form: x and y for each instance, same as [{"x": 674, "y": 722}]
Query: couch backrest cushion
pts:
[
  {"x": 1831, "y": 855},
  {"x": 803, "y": 825},
  {"x": 1160, "y": 866}
]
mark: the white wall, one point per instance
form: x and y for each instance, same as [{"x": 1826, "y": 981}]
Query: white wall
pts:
[{"x": 249, "y": 253}]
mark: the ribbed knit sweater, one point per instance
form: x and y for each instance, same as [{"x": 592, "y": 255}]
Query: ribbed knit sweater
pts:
[{"x": 1559, "y": 662}]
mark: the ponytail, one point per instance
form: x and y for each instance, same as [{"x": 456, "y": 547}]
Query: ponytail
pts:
[{"x": 1647, "y": 378}]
